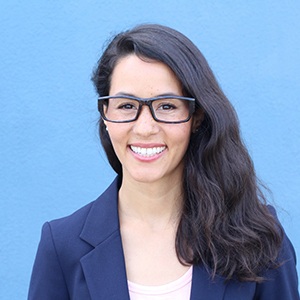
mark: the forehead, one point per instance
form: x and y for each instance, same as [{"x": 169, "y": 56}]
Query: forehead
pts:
[{"x": 143, "y": 78}]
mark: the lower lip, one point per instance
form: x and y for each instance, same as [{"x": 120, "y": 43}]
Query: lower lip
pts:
[{"x": 147, "y": 158}]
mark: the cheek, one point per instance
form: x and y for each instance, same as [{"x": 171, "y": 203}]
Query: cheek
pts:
[
  {"x": 181, "y": 138},
  {"x": 118, "y": 134},
  {"x": 183, "y": 132}
]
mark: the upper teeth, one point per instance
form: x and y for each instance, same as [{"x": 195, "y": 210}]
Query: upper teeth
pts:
[{"x": 147, "y": 151}]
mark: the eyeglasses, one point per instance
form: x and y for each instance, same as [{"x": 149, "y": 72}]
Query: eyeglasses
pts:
[{"x": 166, "y": 109}]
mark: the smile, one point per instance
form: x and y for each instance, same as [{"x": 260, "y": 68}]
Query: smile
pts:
[{"x": 147, "y": 151}]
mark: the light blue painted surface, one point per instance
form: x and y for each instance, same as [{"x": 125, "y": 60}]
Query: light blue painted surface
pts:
[{"x": 50, "y": 159}]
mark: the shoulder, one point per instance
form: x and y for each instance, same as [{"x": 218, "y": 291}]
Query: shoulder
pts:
[
  {"x": 72, "y": 225},
  {"x": 281, "y": 282},
  {"x": 70, "y": 233},
  {"x": 65, "y": 241},
  {"x": 287, "y": 252}
]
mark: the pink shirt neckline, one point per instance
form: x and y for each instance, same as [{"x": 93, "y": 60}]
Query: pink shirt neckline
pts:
[{"x": 179, "y": 288}]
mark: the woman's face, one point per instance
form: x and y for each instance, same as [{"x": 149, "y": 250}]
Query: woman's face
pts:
[{"x": 149, "y": 151}]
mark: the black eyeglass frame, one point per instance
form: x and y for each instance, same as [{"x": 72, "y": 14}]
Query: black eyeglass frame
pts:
[{"x": 147, "y": 102}]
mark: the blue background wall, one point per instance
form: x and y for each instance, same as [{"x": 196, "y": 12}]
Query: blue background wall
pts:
[{"x": 50, "y": 159}]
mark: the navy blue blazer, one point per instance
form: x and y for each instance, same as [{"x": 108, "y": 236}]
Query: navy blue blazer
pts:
[{"x": 80, "y": 257}]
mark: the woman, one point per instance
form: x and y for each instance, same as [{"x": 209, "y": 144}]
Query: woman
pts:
[{"x": 185, "y": 218}]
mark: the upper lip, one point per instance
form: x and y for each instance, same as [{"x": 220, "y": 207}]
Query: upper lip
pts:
[{"x": 148, "y": 145}]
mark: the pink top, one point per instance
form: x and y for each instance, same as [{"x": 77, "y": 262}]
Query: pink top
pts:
[{"x": 179, "y": 289}]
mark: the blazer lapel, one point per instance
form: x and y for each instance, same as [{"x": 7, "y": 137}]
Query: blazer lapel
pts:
[
  {"x": 104, "y": 266},
  {"x": 204, "y": 288}
]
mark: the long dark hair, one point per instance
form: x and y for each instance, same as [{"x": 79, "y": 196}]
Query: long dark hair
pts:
[{"x": 225, "y": 223}]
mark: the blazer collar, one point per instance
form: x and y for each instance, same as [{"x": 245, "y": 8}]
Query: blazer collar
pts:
[
  {"x": 104, "y": 266},
  {"x": 103, "y": 218}
]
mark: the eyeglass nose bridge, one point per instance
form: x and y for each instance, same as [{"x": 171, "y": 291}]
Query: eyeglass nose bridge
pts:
[{"x": 148, "y": 103}]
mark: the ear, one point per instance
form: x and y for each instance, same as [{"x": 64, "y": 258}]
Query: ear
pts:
[
  {"x": 105, "y": 124},
  {"x": 197, "y": 120}
]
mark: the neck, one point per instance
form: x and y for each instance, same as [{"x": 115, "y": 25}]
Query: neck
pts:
[{"x": 157, "y": 204}]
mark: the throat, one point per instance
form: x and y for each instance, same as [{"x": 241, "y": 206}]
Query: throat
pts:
[{"x": 149, "y": 210}]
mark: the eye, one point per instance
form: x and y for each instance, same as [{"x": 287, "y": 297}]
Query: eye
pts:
[
  {"x": 127, "y": 105},
  {"x": 166, "y": 106}
]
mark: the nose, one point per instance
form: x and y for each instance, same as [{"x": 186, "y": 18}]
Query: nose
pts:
[{"x": 145, "y": 125}]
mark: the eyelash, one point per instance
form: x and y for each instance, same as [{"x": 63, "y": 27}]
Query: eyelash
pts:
[
  {"x": 169, "y": 105},
  {"x": 124, "y": 106}
]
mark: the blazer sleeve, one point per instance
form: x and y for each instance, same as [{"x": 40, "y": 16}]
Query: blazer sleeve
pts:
[
  {"x": 47, "y": 279},
  {"x": 281, "y": 283}
]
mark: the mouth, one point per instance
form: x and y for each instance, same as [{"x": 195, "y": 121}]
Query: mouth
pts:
[{"x": 147, "y": 152}]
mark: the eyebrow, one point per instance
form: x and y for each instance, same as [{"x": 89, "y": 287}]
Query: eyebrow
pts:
[{"x": 160, "y": 95}]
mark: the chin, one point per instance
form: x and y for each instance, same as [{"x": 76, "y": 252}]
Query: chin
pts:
[
  {"x": 146, "y": 179},
  {"x": 142, "y": 176}
]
